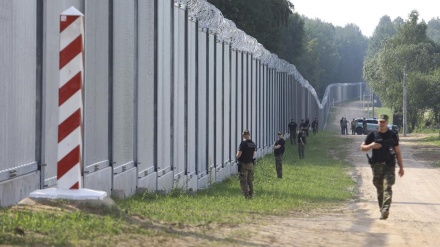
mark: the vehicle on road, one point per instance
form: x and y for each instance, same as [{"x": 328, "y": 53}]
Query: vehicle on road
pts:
[{"x": 372, "y": 125}]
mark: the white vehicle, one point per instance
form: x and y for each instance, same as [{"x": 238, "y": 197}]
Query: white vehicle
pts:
[{"x": 372, "y": 125}]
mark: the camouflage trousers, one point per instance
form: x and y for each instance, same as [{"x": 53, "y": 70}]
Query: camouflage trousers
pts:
[
  {"x": 293, "y": 138},
  {"x": 301, "y": 150},
  {"x": 279, "y": 165},
  {"x": 383, "y": 179},
  {"x": 247, "y": 179}
]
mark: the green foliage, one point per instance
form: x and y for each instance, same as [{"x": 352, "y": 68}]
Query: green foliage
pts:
[
  {"x": 411, "y": 48},
  {"x": 383, "y": 32},
  {"x": 384, "y": 110},
  {"x": 331, "y": 54},
  {"x": 433, "y": 29},
  {"x": 352, "y": 45},
  {"x": 322, "y": 53},
  {"x": 292, "y": 46},
  {"x": 433, "y": 139},
  {"x": 321, "y": 57},
  {"x": 261, "y": 19}
]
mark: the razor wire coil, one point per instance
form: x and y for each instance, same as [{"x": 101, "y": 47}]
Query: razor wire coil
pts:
[{"x": 210, "y": 18}]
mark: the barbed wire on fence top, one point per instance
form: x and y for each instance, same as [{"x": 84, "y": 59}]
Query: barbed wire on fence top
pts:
[{"x": 212, "y": 19}]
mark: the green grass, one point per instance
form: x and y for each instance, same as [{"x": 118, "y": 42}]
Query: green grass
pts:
[
  {"x": 318, "y": 182},
  {"x": 383, "y": 110},
  {"x": 432, "y": 138}
]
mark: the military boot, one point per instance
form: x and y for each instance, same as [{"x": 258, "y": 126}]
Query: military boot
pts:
[{"x": 384, "y": 214}]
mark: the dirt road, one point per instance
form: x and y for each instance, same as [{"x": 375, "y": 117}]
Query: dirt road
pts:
[{"x": 414, "y": 216}]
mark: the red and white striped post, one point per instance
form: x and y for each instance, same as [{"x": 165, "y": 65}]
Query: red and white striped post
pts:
[{"x": 70, "y": 102}]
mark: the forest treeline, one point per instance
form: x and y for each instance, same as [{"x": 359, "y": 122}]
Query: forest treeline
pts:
[{"x": 326, "y": 54}]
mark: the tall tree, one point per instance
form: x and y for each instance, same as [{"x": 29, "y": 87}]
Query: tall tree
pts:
[
  {"x": 352, "y": 45},
  {"x": 292, "y": 46},
  {"x": 433, "y": 29},
  {"x": 261, "y": 19},
  {"x": 412, "y": 48},
  {"x": 434, "y": 95},
  {"x": 383, "y": 31},
  {"x": 321, "y": 57}
]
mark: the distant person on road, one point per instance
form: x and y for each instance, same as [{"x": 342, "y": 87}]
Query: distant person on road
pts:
[
  {"x": 344, "y": 123},
  {"x": 340, "y": 125},
  {"x": 385, "y": 148},
  {"x": 301, "y": 143},
  {"x": 278, "y": 152},
  {"x": 292, "y": 129},
  {"x": 245, "y": 156},
  {"x": 364, "y": 126},
  {"x": 353, "y": 127}
]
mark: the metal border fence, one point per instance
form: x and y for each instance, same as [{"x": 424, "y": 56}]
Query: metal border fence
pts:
[{"x": 168, "y": 88}]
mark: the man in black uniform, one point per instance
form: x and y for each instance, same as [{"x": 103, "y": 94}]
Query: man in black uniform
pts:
[
  {"x": 302, "y": 125},
  {"x": 245, "y": 156},
  {"x": 292, "y": 129},
  {"x": 301, "y": 143},
  {"x": 307, "y": 126},
  {"x": 364, "y": 126},
  {"x": 278, "y": 152},
  {"x": 315, "y": 125},
  {"x": 385, "y": 146},
  {"x": 353, "y": 126}
]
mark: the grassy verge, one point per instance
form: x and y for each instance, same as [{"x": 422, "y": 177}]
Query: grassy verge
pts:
[
  {"x": 384, "y": 110},
  {"x": 319, "y": 181}
]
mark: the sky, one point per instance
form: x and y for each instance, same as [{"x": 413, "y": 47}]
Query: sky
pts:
[{"x": 365, "y": 14}]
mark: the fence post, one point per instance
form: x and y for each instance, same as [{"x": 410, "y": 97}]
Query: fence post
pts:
[{"x": 70, "y": 99}]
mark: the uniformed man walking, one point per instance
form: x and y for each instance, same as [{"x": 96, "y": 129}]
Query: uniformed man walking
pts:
[
  {"x": 245, "y": 156},
  {"x": 385, "y": 148}
]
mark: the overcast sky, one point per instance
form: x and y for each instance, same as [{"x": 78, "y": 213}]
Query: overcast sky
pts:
[{"x": 366, "y": 13}]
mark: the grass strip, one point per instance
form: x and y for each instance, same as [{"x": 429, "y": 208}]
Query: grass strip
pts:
[{"x": 319, "y": 181}]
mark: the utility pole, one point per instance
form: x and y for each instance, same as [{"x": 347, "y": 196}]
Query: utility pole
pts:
[{"x": 404, "y": 100}]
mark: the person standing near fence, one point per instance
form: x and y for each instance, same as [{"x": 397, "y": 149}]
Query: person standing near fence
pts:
[
  {"x": 292, "y": 129},
  {"x": 302, "y": 125},
  {"x": 245, "y": 156},
  {"x": 278, "y": 152},
  {"x": 364, "y": 126},
  {"x": 315, "y": 125},
  {"x": 301, "y": 143},
  {"x": 307, "y": 126}
]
